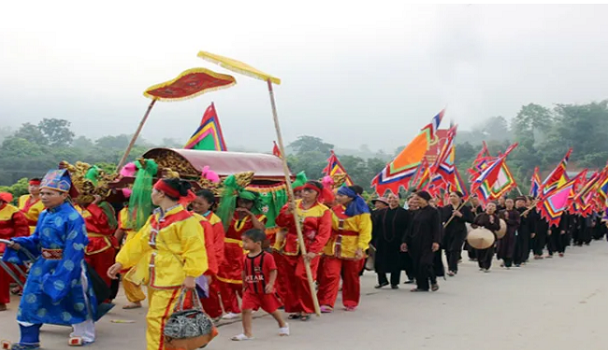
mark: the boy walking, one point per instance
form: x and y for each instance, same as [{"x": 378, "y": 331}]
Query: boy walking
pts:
[{"x": 259, "y": 276}]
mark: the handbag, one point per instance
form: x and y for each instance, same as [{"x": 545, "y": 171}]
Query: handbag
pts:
[{"x": 188, "y": 329}]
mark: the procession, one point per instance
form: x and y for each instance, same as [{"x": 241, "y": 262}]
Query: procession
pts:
[{"x": 192, "y": 245}]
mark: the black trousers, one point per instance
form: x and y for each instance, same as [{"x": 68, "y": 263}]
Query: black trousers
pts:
[
  {"x": 424, "y": 273},
  {"x": 558, "y": 242},
  {"x": 408, "y": 266},
  {"x": 540, "y": 241},
  {"x": 522, "y": 249},
  {"x": 453, "y": 257},
  {"x": 484, "y": 258},
  {"x": 395, "y": 278}
]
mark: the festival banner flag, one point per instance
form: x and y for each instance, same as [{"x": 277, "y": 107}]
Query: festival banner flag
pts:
[
  {"x": 535, "y": 187},
  {"x": 555, "y": 202},
  {"x": 481, "y": 161},
  {"x": 400, "y": 171},
  {"x": 553, "y": 180},
  {"x": 489, "y": 176},
  {"x": 208, "y": 136},
  {"x": 276, "y": 151},
  {"x": 505, "y": 181},
  {"x": 584, "y": 200},
  {"x": 444, "y": 165},
  {"x": 602, "y": 193},
  {"x": 459, "y": 185},
  {"x": 334, "y": 167}
]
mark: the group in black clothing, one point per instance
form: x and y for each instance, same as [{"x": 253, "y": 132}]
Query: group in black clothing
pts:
[{"x": 413, "y": 239}]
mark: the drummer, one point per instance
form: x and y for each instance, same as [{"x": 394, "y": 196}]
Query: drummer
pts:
[{"x": 490, "y": 221}]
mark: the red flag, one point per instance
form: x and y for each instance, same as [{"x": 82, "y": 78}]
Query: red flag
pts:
[{"x": 276, "y": 151}]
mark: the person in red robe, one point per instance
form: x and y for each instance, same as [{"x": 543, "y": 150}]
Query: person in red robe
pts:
[
  {"x": 12, "y": 224},
  {"x": 101, "y": 224},
  {"x": 239, "y": 219},
  {"x": 202, "y": 205},
  {"x": 316, "y": 221}
]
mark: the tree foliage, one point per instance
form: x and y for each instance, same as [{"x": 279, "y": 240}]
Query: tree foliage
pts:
[{"x": 544, "y": 135}]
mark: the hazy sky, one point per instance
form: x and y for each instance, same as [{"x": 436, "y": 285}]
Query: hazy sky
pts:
[{"x": 351, "y": 74}]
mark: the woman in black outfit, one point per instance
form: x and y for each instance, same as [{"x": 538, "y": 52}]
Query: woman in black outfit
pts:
[
  {"x": 476, "y": 209},
  {"x": 455, "y": 232},
  {"x": 422, "y": 241},
  {"x": 490, "y": 221},
  {"x": 506, "y": 245}
]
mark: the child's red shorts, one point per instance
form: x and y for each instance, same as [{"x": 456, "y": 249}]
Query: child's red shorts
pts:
[{"x": 267, "y": 302}]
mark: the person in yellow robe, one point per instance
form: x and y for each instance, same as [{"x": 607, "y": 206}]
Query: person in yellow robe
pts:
[
  {"x": 31, "y": 205},
  {"x": 167, "y": 254},
  {"x": 343, "y": 256},
  {"x": 125, "y": 232}
]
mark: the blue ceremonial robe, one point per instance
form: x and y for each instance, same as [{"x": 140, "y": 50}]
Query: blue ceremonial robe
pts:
[{"x": 54, "y": 292}]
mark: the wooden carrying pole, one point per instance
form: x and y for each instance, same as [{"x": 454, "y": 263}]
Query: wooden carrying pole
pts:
[
  {"x": 454, "y": 215},
  {"x": 123, "y": 160},
  {"x": 301, "y": 242}
]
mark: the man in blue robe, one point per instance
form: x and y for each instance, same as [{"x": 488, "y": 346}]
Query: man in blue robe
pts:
[{"x": 58, "y": 290}]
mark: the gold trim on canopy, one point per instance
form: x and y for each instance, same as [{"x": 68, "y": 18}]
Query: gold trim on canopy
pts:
[{"x": 238, "y": 66}]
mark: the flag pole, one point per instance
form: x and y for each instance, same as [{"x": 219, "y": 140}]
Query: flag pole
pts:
[
  {"x": 311, "y": 283},
  {"x": 123, "y": 160}
]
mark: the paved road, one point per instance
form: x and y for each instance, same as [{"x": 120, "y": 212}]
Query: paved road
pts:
[{"x": 550, "y": 304}]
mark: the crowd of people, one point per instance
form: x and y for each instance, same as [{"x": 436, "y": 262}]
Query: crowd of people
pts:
[{"x": 219, "y": 251}]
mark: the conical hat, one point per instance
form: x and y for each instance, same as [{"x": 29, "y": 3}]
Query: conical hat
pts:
[
  {"x": 480, "y": 238},
  {"x": 502, "y": 230}
]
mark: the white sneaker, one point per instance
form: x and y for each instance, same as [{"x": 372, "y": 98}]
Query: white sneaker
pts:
[
  {"x": 283, "y": 332},
  {"x": 231, "y": 316},
  {"x": 241, "y": 337}
]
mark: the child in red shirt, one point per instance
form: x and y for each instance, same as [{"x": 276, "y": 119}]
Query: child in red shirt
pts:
[{"x": 259, "y": 275}]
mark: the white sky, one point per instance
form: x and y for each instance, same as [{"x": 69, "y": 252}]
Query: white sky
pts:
[{"x": 373, "y": 73}]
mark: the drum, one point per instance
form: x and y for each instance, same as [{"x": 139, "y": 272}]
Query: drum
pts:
[
  {"x": 480, "y": 238},
  {"x": 502, "y": 231}
]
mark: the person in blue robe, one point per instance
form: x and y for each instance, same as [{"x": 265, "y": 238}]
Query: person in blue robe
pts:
[{"x": 58, "y": 289}]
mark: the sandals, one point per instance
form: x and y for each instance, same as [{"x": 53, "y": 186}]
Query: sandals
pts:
[
  {"x": 326, "y": 309},
  {"x": 304, "y": 318},
  {"x": 435, "y": 287},
  {"x": 75, "y": 341},
  {"x": 294, "y": 317}
]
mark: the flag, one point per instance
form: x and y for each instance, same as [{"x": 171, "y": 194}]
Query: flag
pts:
[
  {"x": 276, "y": 151},
  {"x": 505, "y": 181},
  {"x": 400, "y": 171},
  {"x": 555, "y": 202},
  {"x": 481, "y": 161},
  {"x": 553, "y": 180},
  {"x": 535, "y": 187},
  {"x": 483, "y": 184},
  {"x": 422, "y": 174},
  {"x": 584, "y": 201},
  {"x": 208, "y": 136},
  {"x": 459, "y": 185},
  {"x": 444, "y": 164},
  {"x": 602, "y": 192},
  {"x": 334, "y": 167}
]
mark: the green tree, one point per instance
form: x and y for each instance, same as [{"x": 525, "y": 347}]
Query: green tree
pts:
[
  {"x": 306, "y": 144},
  {"x": 57, "y": 132},
  {"x": 32, "y": 134}
]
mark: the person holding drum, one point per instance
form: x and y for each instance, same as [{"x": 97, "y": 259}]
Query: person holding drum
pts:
[{"x": 490, "y": 221}]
